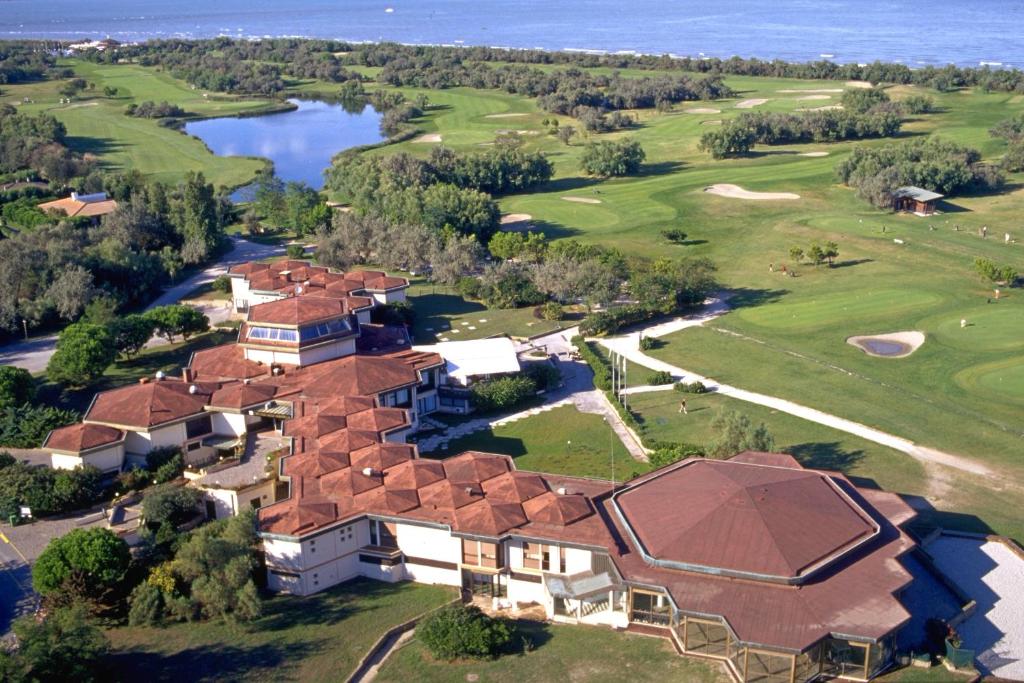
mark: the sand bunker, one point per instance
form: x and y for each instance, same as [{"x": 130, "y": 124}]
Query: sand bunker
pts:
[
  {"x": 814, "y": 97},
  {"x": 516, "y": 222},
  {"x": 858, "y": 84},
  {"x": 747, "y": 104},
  {"x": 711, "y": 122},
  {"x": 814, "y": 154},
  {"x": 582, "y": 200},
  {"x": 811, "y": 90},
  {"x": 702, "y": 110},
  {"x": 892, "y": 345},
  {"x": 429, "y": 137},
  {"x": 510, "y": 115},
  {"x": 737, "y": 192}
]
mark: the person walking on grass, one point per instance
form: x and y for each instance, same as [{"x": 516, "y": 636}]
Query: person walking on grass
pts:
[{"x": 682, "y": 407}]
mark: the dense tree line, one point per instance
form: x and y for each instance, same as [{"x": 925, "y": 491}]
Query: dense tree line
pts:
[
  {"x": 739, "y": 135},
  {"x": 53, "y": 272},
  {"x": 932, "y": 163},
  {"x": 154, "y": 110},
  {"x": 447, "y": 191},
  {"x": 1012, "y": 131},
  {"x": 23, "y": 61},
  {"x": 36, "y": 142},
  {"x": 328, "y": 59}
]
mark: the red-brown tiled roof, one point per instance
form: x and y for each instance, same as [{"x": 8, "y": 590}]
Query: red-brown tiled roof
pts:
[
  {"x": 297, "y": 310},
  {"x": 75, "y": 208},
  {"x": 474, "y": 466},
  {"x": 82, "y": 437},
  {"x": 226, "y": 361},
  {"x": 349, "y": 376},
  {"x": 736, "y": 517},
  {"x": 238, "y": 395},
  {"x": 150, "y": 404}
]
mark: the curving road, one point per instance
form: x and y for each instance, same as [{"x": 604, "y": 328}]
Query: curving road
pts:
[{"x": 33, "y": 354}]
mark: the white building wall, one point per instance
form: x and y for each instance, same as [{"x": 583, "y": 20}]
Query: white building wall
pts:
[
  {"x": 229, "y": 423},
  {"x": 225, "y": 502},
  {"x": 269, "y": 357},
  {"x": 60, "y": 461},
  {"x": 432, "y": 544},
  {"x": 576, "y": 560},
  {"x": 110, "y": 459},
  {"x": 336, "y": 349}
]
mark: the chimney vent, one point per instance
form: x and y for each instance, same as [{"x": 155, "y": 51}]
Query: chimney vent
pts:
[
  {"x": 193, "y": 389},
  {"x": 187, "y": 375},
  {"x": 562, "y": 491},
  {"x": 160, "y": 375},
  {"x": 368, "y": 471}
]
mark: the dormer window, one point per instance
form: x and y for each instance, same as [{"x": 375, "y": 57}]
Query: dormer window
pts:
[{"x": 324, "y": 329}]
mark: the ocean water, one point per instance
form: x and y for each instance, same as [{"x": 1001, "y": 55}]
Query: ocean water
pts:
[{"x": 914, "y": 32}]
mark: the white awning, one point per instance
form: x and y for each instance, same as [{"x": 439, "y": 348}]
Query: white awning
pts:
[{"x": 476, "y": 357}]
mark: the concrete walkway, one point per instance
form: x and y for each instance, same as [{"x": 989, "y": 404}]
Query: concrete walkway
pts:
[
  {"x": 34, "y": 354},
  {"x": 577, "y": 390},
  {"x": 629, "y": 346}
]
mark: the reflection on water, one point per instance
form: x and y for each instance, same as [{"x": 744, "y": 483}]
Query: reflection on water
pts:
[{"x": 299, "y": 142}]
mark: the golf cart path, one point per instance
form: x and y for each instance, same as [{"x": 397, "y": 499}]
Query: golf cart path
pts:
[{"x": 629, "y": 346}]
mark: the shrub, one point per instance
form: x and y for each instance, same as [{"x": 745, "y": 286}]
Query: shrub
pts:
[
  {"x": 668, "y": 453},
  {"x": 295, "y": 251},
  {"x": 27, "y": 425},
  {"x": 648, "y": 343},
  {"x": 674, "y": 235},
  {"x": 96, "y": 556},
  {"x": 691, "y": 387},
  {"x": 133, "y": 479},
  {"x": 222, "y": 284},
  {"x": 994, "y": 273},
  {"x": 612, "y": 158},
  {"x": 601, "y": 368},
  {"x": 170, "y": 505},
  {"x": 468, "y": 287},
  {"x": 146, "y": 605},
  {"x": 611, "y": 321},
  {"x": 158, "y": 457},
  {"x": 503, "y": 393},
  {"x": 83, "y": 352},
  {"x": 552, "y": 310},
  {"x": 47, "y": 491},
  {"x": 544, "y": 375},
  {"x": 458, "y": 631},
  {"x": 16, "y": 386},
  {"x": 170, "y": 470},
  {"x": 660, "y": 378}
]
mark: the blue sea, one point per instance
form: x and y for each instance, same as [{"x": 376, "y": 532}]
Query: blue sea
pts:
[{"x": 914, "y": 32}]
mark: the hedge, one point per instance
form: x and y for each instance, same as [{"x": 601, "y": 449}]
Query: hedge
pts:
[{"x": 611, "y": 321}]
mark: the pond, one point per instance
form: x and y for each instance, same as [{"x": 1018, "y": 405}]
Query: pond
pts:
[{"x": 300, "y": 142}]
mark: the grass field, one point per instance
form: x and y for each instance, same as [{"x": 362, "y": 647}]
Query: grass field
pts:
[
  {"x": 559, "y": 441},
  {"x": 560, "y": 653},
  {"x": 317, "y": 638},
  {"x": 97, "y": 125}
]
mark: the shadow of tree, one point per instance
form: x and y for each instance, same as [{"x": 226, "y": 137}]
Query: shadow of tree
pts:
[
  {"x": 743, "y": 297},
  {"x": 210, "y": 662},
  {"x": 825, "y": 456},
  {"x": 852, "y": 262}
]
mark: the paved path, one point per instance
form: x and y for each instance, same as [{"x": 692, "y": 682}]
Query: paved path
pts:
[
  {"x": 577, "y": 389},
  {"x": 16, "y": 596},
  {"x": 34, "y": 354},
  {"x": 629, "y": 346}
]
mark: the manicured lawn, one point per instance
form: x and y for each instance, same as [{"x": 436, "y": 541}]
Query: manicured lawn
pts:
[
  {"x": 559, "y": 652},
  {"x": 559, "y": 441},
  {"x": 316, "y": 638},
  {"x": 97, "y": 125},
  {"x": 442, "y": 313},
  {"x": 812, "y": 444}
]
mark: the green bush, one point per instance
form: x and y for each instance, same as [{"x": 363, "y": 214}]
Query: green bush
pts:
[
  {"x": 668, "y": 453},
  {"x": 611, "y": 321},
  {"x": 503, "y": 393},
  {"x": 170, "y": 470},
  {"x": 133, "y": 479},
  {"x": 459, "y": 631},
  {"x": 648, "y": 343},
  {"x": 552, "y": 310},
  {"x": 146, "y": 605},
  {"x": 691, "y": 387},
  {"x": 295, "y": 251},
  {"x": 468, "y": 287},
  {"x": 158, "y": 457},
  {"x": 221, "y": 284},
  {"x": 601, "y": 368},
  {"x": 47, "y": 491},
  {"x": 26, "y": 426},
  {"x": 659, "y": 378},
  {"x": 17, "y": 386},
  {"x": 544, "y": 375}
]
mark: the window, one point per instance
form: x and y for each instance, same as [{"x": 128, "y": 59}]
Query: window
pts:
[
  {"x": 194, "y": 446},
  {"x": 650, "y": 608},
  {"x": 273, "y": 334},
  {"x": 324, "y": 329},
  {"x": 374, "y": 538},
  {"x": 845, "y": 658},
  {"x": 481, "y": 554},
  {"x": 532, "y": 555},
  {"x": 706, "y": 637},
  {"x": 768, "y": 667},
  {"x": 388, "y": 534},
  {"x": 198, "y": 427}
]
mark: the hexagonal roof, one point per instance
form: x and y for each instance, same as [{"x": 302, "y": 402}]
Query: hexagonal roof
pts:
[{"x": 742, "y": 519}]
